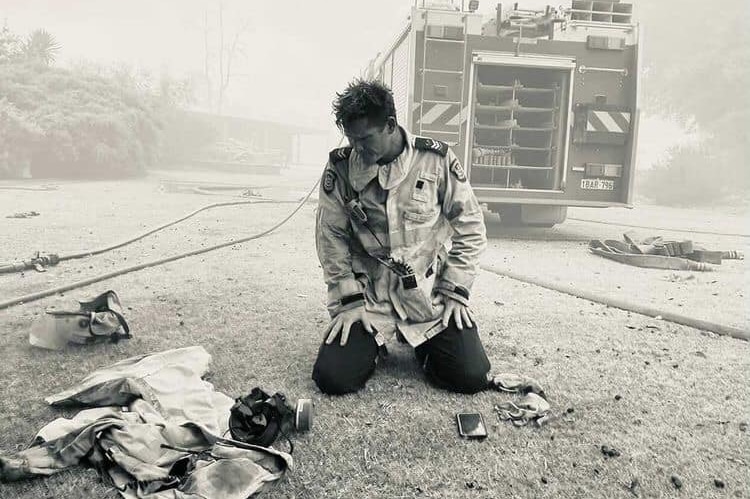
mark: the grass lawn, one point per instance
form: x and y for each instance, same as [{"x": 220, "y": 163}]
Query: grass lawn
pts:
[{"x": 259, "y": 310}]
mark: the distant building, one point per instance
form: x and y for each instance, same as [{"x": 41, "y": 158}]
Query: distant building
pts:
[{"x": 195, "y": 137}]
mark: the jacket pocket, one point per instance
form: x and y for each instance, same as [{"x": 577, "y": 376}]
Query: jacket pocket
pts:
[
  {"x": 419, "y": 217},
  {"x": 418, "y": 226},
  {"x": 417, "y": 302},
  {"x": 425, "y": 188}
]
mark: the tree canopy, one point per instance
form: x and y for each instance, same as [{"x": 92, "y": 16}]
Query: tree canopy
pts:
[
  {"x": 78, "y": 121},
  {"x": 698, "y": 69}
]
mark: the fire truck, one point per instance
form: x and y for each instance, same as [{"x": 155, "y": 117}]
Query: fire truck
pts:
[{"x": 540, "y": 105}]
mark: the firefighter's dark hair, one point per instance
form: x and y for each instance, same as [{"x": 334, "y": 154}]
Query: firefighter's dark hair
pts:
[{"x": 364, "y": 99}]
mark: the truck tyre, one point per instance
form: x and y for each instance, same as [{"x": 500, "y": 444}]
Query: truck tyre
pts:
[
  {"x": 516, "y": 215},
  {"x": 510, "y": 215}
]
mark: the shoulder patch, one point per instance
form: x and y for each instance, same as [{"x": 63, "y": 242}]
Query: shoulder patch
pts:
[
  {"x": 428, "y": 144},
  {"x": 329, "y": 180},
  {"x": 458, "y": 170},
  {"x": 339, "y": 154}
]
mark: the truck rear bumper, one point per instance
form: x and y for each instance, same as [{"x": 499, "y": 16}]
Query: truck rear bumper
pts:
[{"x": 496, "y": 198}]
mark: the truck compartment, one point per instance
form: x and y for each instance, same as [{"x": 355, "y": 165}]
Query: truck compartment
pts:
[{"x": 518, "y": 127}]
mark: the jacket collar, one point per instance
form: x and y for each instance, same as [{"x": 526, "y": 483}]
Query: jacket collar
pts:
[{"x": 389, "y": 175}]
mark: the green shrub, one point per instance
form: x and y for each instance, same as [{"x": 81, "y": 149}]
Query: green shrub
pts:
[
  {"x": 20, "y": 135},
  {"x": 75, "y": 123}
]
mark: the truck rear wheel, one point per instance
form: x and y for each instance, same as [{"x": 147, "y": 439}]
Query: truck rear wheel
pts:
[{"x": 510, "y": 215}]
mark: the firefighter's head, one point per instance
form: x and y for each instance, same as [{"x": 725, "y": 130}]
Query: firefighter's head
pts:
[{"x": 366, "y": 114}]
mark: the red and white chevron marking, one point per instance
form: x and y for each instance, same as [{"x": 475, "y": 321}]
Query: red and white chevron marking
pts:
[
  {"x": 608, "y": 121},
  {"x": 441, "y": 116}
]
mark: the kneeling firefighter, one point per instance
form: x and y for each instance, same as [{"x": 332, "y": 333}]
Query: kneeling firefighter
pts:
[{"x": 388, "y": 206}]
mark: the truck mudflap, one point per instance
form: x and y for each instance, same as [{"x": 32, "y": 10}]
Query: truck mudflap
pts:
[{"x": 530, "y": 215}]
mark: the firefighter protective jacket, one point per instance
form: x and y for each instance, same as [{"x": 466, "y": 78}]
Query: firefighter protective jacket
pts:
[
  {"x": 414, "y": 206},
  {"x": 149, "y": 417}
]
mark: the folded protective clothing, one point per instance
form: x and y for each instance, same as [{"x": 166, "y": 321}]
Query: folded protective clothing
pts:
[
  {"x": 516, "y": 383},
  {"x": 156, "y": 431},
  {"x": 532, "y": 406}
]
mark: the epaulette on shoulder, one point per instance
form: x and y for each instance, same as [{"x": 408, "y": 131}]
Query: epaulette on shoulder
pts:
[
  {"x": 428, "y": 144},
  {"x": 339, "y": 154}
]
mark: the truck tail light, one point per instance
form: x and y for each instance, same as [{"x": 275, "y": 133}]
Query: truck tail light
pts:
[
  {"x": 603, "y": 170},
  {"x": 605, "y": 42}
]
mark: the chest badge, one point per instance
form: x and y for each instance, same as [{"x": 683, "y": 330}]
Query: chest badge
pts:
[
  {"x": 329, "y": 180},
  {"x": 458, "y": 170}
]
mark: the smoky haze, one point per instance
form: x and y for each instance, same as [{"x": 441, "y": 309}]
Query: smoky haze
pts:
[
  {"x": 292, "y": 56},
  {"x": 177, "y": 153},
  {"x": 295, "y": 54}
]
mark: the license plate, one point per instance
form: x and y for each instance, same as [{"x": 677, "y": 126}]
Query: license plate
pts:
[{"x": 599, "y": 184}]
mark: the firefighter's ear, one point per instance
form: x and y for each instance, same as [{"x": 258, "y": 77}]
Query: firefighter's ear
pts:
[{"x": 391, "y": 124}]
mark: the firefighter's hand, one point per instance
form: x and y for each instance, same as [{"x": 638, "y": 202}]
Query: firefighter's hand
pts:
[
  {"x": 343, "y": 322},
  {"x": 460, "y": 313}
]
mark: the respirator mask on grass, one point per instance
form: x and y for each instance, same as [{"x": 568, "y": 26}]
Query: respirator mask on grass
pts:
[{"x": 259, "y": 418}]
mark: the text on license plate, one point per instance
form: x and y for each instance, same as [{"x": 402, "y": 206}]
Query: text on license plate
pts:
[{"x": 600, "y": 184}]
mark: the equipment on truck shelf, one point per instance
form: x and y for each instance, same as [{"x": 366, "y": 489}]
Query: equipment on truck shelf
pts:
[{"x": 540, "y": 105}]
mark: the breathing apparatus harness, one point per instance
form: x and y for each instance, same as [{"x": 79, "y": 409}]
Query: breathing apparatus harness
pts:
[{"x": 259, "y": 418}]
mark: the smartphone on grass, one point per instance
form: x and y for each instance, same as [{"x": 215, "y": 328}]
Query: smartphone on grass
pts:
[{"x": 471, "y": 425}]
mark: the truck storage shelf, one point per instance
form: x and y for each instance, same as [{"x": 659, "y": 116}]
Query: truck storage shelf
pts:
[
  {"x": 512, "y": 167},
  {"x": 517, "y": 109},
  {"x": 516, "y": 147},
  {"x": 535, "y": 128},
  {"x": 516, "y": 128},
  {"x": 481, "y": 87},
  {"x": 529, "y": 148}
]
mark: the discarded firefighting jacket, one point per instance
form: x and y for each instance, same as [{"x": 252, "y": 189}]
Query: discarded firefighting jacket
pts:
[
  {"x": 413, "y": 205},
  {"x": 156, "y": 431}
]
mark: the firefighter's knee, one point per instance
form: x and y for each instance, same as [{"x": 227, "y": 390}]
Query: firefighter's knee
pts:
[
  {"x": 474, "y": 380},
  {"x": 332, "y": 383},
  {"x": 339, "y": 370},
  {"x": 470, "y": 381}
]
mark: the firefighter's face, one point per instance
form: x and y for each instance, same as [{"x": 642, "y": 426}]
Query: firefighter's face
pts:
[{"x": 371, "y": 142}]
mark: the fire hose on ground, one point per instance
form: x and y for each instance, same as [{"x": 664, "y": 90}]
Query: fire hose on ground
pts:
[
  {"x": 153, "y": 263},
  {"x": 42, "y": 260},
  {"x": 684, "y": 320},
  {"x": 716, "y": 328}
]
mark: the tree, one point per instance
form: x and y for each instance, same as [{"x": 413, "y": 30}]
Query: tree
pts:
[
  {"x": 220, "y": 59},
  {"x": 41, "y": 47},
  {"x": 11, "y": 46},
  {"x": 698, "y": 69}
]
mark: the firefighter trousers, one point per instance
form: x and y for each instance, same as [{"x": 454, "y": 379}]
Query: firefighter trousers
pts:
[{"x": 454, "y": 360}]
